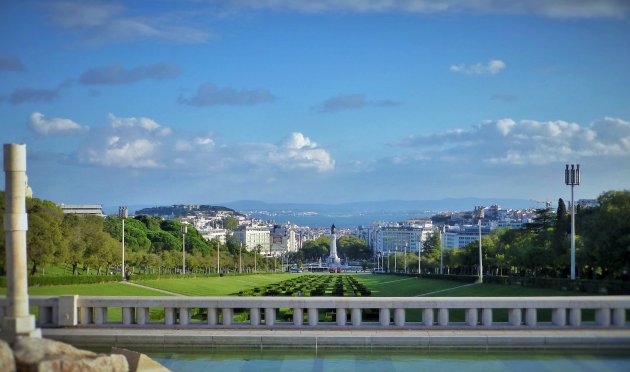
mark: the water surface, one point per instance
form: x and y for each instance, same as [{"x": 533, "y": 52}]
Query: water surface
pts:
[{"x": 365, "y": 360}]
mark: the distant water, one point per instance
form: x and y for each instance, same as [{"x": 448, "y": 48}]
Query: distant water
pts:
[{"x": 349, "y": 220}]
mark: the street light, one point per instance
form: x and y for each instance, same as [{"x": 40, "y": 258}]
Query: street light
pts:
[
  {"x": 442, "y": 247},
  {"x": 124, "y": 277},
  {"x": 419, "y": 257},
  {"x": 405, "y": 257},
  {"x": 240, "y": 259},
  {"x": 572, "y": 178},
  {"x": 395, "y": 258},
  {"x": 480, "y": 259},
  {"x": 184, "y": 231},
  {"x": 218, "y": 258}
]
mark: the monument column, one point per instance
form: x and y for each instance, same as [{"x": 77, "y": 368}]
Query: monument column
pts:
[
  {"x": 17, "y": 321},
  {"x": 333, "y": 258}
]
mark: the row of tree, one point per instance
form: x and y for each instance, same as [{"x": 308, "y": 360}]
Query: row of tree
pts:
[
  {"x": 542, "y": 248},
  {"x": 92, "y": 244}
]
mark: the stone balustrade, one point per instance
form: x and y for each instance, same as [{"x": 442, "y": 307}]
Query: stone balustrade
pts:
[{"x": 304, "y": 312}]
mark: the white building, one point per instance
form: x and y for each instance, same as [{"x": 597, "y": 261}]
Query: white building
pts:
[
  {"x": 282, "y": 240},
  {"x": 460, "y": 236},
  {"x": 91, "y": 209},
  {"x": 392, "y": 239},
  {"x": 215, "y": 234},
  {"x": 253, "y": 236}
]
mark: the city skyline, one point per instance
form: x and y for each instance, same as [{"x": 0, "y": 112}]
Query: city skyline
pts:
[{"x": 168, "y": 102}]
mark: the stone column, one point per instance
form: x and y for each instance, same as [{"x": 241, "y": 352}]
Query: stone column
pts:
[{"x": 17, "y": 321}]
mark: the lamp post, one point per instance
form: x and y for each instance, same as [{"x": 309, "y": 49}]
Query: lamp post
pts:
[
  {"x": 255, "y": 259},
  {"x": 480, "y": 259},
  {"x": 240, "y": 258},
  {"x": 122, "y": 272},
  {"x": 184, "y": 231},
  {"x": 572, "y": 178},
  {"x": 442, "y": 247},
  {"x": 405, "y": 257},
  {"x": 388, "y": 252},
  {"x": 419, "y": 257},
  {"x": 218, "y": 258},
  {"x": 395, "y": 258}
]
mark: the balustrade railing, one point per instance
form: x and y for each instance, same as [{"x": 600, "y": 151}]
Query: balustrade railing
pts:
[{"x": 304, "y": 312}]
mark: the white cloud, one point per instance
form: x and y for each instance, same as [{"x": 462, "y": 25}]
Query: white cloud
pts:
[
  {"x": 126, "y": 143},
  {"x": 507, "y": 141},
  {"x": 493, "y": 67},
  {"x": 298, "y": 151},
  {"x": 39, "y": 124},
  {"x": 132, "y": 142},
  {"x": 104, "y": 22},
  {"x": 546, "y": 8}
]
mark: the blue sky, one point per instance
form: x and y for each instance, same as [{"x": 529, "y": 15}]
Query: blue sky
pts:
[{"x": 161, "y": 102}]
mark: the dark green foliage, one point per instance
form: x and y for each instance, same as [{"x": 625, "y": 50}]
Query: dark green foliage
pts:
[
  {"x": 183, "y": 210},
  {"x": 353, "y": 248}
]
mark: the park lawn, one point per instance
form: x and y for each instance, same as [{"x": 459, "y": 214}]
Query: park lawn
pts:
[
  {"x": 400, "y": 286},
  {"x": 97, "y": 289},
  {"x": 216, "y": 286}
]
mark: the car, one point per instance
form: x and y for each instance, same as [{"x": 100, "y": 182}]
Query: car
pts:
[{"x": 378, "y": 271}]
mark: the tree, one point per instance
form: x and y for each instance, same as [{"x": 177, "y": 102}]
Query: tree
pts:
[
  {"x": 316, "y": 249},
  {"x": 45, "y": 242},
  {"x": 353, "y": 248},
  {"x": 230, "y": 223}
]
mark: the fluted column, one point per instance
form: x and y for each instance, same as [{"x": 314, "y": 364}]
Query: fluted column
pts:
[{"x": 17, "y": 321}]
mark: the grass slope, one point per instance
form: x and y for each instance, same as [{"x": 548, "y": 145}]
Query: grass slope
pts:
[
  {"x": 215, "y": 286},
  {"x": 100, "y": 289}
]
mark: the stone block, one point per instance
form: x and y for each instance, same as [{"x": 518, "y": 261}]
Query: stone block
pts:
[
  {"x": 7, "y": 362},
  {"x": 139, "y": 362}
]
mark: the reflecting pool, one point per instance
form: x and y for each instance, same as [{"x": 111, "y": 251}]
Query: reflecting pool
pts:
[{"x": 365, "y": 360}]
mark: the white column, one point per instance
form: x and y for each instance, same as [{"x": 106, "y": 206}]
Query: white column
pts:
[
  {"x": 399, "y": 317},
  {"x": 443, "y": 317},
  {"x": 17, "y": 320},
  {"x": 254, "y": 316},
  {"x": 471, "y": 317},
  {"x": 559, "y": 317},
  {"x": 86, "y": 315},
  {"x": 270, "y": 316},
  {"x": 515, "y": 317},
  {"x": 341, "y": 316},
  {"x": 313, "y": 316},
  {"x": 212, "y": 316},
  {"x": 486, "y": 317},
  {"x": 427, "y": 317},
  {"x": 575, "y": 317},
  {"x": 169, "y": 316},
  {"x": 298, "y": 316},
  {"x": 384, "y": 317},
  {"x": 184, "y": 316},
  {"x": 619, "y": 317},
  {"x": 127, "y": 315},
  {"x": 531, "y": 317},
  {"x": 227, "y": 316},
  {"x": 602, "y": 317},
  {"x": 356, "y": 317}
]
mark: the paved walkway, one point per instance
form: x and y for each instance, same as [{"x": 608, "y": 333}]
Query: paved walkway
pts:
[
  {"x": 154, "y": 289},
  {"x": 357, "y": 338},
  {"x": 447, "y": 289}
]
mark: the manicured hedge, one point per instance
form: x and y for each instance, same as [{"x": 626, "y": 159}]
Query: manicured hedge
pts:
[{"x": 579, "y": 285}]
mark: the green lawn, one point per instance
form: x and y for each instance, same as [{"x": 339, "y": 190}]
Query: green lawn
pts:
[
  {"x": 216, "y": 286},
  {"x": 100, "y": 289}
]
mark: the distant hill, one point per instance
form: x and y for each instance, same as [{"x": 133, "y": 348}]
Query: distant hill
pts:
[{"x": 184, "y": 209}]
